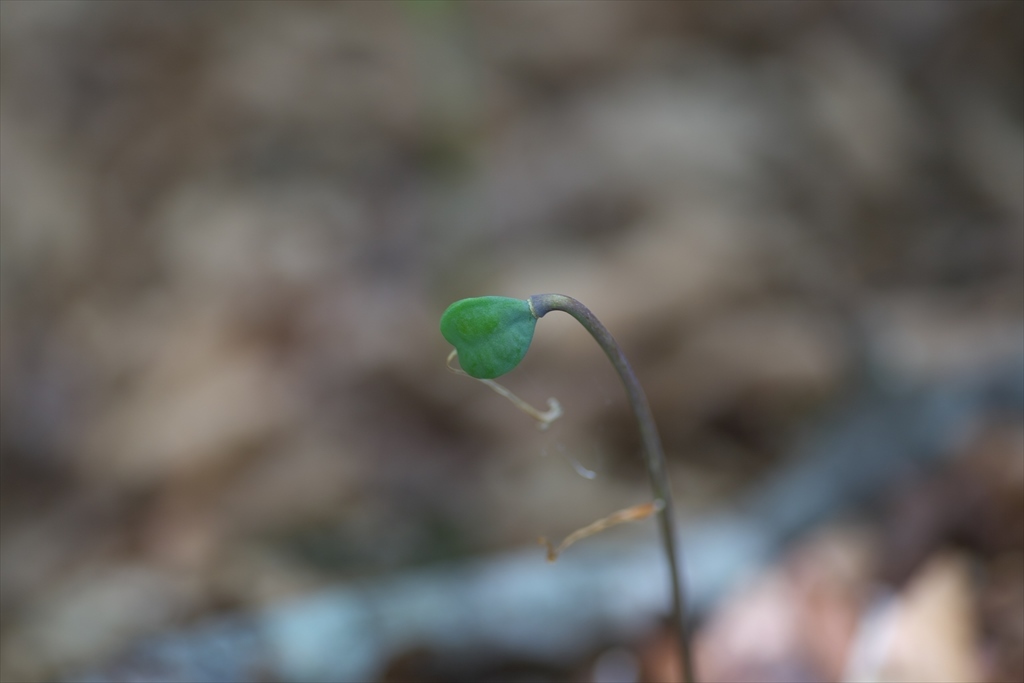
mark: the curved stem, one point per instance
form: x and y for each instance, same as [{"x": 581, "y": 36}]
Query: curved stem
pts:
[{"x": 541, "y": 304}]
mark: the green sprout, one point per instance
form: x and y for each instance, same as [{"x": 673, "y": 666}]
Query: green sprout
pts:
[{"x": 492, "y": 334}]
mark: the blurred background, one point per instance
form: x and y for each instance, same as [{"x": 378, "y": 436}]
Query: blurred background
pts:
[{"x": 227, "y": 233}]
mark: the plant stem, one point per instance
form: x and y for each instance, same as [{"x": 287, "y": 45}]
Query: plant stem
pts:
[{"x": 541, "y": 304}]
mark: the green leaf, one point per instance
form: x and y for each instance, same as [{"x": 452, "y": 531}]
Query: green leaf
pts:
[{"x": 490, "y": 333}]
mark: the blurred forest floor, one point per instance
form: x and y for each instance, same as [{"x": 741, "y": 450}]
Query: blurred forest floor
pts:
[{"x": 227, "y": 231}]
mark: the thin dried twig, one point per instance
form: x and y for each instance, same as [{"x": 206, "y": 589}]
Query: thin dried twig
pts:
[{"x": 630, "y": 514}]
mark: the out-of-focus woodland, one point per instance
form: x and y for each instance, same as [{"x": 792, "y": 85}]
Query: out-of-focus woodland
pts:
[{"x": 231, "y": 449}]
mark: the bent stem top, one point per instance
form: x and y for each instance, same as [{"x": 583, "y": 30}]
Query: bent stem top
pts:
[{"x": 541, "y": 305}]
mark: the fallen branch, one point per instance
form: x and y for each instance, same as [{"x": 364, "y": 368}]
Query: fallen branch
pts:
[{"x": 514, "y": 606}]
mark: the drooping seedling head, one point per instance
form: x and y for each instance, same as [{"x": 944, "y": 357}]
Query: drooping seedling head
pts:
[{"x": 490, "y": 333}]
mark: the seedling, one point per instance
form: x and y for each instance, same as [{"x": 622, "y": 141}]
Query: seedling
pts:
[{"x": 491, "y": 335}]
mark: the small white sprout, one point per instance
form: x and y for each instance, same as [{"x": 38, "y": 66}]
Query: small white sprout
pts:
[{"x": 544, "y": 419}]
